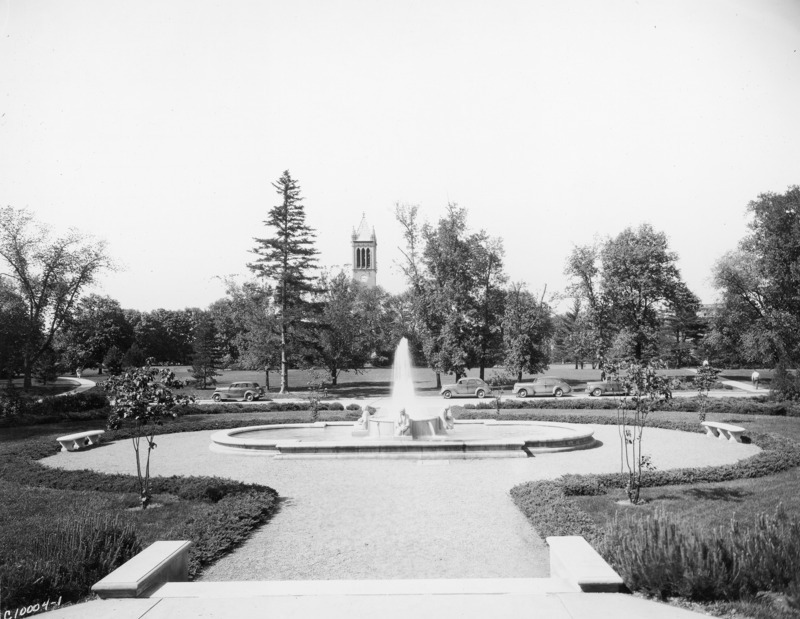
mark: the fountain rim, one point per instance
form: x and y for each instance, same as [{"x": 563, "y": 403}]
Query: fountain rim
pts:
[{"x": 572, "y": 437}]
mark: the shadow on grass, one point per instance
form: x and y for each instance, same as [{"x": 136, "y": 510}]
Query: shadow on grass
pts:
[{"x": 718, "y": 494}]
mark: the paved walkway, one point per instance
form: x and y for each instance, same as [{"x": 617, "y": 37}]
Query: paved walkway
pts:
[
  {"x": 385, "y": 519},
  {"x": 380, "y": 521},
  {"x": 81, "y": 384}
]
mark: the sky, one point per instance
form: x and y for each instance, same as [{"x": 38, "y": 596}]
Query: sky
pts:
[{"x": 160, "y": 127}]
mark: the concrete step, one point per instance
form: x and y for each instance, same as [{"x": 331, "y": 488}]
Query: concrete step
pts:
[{"x": 297, "y": 588}]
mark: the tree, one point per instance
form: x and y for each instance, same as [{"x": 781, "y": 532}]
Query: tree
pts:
[
  {"x": 46, "y": 367},
  {"x": 595, "y": 324},
  {"x": 629, "y": 283},
  {"x": 489, "y": 300},
  {"x": 13, "y": 323},
  {"x": 760, "y": 284},
  {"x": 704, "y": 381},
  {"x": 96, "y": 325},
  {"x": 646, "y": 389},
  {"x": 48, "y": 274},
  {"x": 207, "y": 351},
  {"x": 222, "y": 312},
  {"x": 257, "y": 341},
  {"x": 527, "y": 330},
  {"x": 143, "y": 397},
  {"x": 343, "y": 343},
  {"x": 455, "y": 277},
  {"x": 573, "y": 335},
  {"x": 288, "y": 260},
  {"x": 133, "y": 357},
  {"x": 640, "y": 277},
  {"x": 114, "y": 360}
]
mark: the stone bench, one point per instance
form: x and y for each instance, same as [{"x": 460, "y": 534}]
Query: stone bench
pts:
[
  {"x": 158, "y": 563},
  {"x": 81, "y": 440},
  {"x": 574, "y": 560},
  {"x": 724, "y": 431}
]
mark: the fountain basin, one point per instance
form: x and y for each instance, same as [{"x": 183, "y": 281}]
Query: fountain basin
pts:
[
  {"x": 420, "y": 427},
  {"x": 468, "y": 439}
]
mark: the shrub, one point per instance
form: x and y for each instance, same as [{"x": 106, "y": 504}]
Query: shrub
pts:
[
  {"x": 66, "y": 560},
  {"x": 785, "y": 384},
  {"x": 665, "y": 555},
  {"x": 353, "y": 407},
  {"x": 545, "y": 506}
]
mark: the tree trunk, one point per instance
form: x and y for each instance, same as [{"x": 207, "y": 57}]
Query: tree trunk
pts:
[
  {"x": 284, "y": 366},
  {"x": 519, "y": 376},
  {"x": 27, "y": 373},
  {"x": 438, "y": 380},
  {"x": 480, "y": 375},
  {"x": 266, "y": 379}
]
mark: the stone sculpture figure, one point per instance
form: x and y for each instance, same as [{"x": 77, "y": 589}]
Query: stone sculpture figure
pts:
[
  {"x": 447, "y": 419},
  {"x": 403, "y": 425}
]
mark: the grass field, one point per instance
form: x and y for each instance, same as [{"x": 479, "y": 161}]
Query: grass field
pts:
[{"x": 376, "y": 382}]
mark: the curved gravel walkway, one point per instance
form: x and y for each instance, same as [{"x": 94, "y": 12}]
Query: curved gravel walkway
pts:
[{"x": 381, "y": 519}]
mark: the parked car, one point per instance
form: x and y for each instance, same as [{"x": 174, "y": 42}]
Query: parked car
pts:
[
  {"x": 238, "y": 391},
  {"x": 467, "y": 387},
  {"x": 606, "y": 387},
  {"x": 542, "y": 385}
]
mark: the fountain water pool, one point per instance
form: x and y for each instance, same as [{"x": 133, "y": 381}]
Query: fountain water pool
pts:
[{"x": 406, "y": 427}]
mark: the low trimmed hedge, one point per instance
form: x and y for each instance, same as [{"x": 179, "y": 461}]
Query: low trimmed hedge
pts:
[
  {"x": 760, "y": 405},
  {"x": 232, "y": 511},
  {"x": 14, "y": 410}
]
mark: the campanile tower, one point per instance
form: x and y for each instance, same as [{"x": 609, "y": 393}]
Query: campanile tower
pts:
[{"x": 365, "y": 263}]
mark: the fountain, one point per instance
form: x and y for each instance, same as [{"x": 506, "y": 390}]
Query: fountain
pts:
[
  {"x": 406, "y": 426},
  {"x": 405, "y": 416}
]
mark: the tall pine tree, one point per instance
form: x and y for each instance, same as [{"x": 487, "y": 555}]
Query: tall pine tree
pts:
[
  {"x": 207, "y": 356},
  {"x": 288, "y": 259}
]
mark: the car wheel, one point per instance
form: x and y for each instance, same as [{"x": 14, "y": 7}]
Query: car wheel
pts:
[
  {"x": 480, "y": 393},
  {"x": 248, "y": 397},
  {"x": 215, "y": 397},
  {"x": 446, "y": 395},
  {"x": 558, "y": 392},
  {"x": 597, "y": 392},
  {"x": 522, "y": 393}
]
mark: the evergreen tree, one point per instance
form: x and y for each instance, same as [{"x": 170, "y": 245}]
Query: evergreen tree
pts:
[
  {"x": 113, "y": 360},
  {"x": 207, "y": 352},
  {"x": 288, "y": 260}
]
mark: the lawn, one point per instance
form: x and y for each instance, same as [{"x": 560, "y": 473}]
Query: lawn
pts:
[{"x": 376, "y": 382}]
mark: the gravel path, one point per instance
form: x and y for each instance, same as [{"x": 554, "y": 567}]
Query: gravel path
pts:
[{"x": 381, "y": 519}]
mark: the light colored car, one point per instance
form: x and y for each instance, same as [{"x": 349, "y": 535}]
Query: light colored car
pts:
[
  {"x": 542, "y": 385},
  {"x": 466, "y": 387},
  {"x": 238, "y": 391},
  {"x": 597, "y": 388}
]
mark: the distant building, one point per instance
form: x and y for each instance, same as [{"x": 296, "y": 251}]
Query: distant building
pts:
[{"x": 365, "y": 263}]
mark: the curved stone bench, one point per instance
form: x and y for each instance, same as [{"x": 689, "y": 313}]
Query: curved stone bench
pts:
[
  {"x": 81, "y": 440},
  {"x": 725, "y": 431}
]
